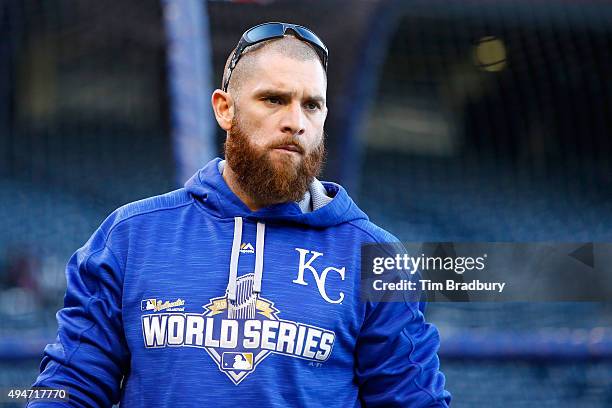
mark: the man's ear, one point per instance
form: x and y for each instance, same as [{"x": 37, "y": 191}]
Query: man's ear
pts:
[{"x": 223, "y": 106}]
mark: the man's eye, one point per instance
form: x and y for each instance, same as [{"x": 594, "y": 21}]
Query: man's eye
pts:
[
  {"x": 273, "y": 100},
  {"x": 312, "y": 106}
]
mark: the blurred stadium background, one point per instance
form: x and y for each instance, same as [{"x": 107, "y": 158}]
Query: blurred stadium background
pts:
[{"x": 449, "y": 120}]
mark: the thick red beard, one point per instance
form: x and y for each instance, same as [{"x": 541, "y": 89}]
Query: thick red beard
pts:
[{"x": 264, "y": 180}]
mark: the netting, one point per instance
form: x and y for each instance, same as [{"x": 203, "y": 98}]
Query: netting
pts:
[{"x": 492, "y": 122}]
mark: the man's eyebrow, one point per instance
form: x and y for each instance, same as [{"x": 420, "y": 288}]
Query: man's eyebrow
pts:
[
  {"x": 316, "y": 98},
  {"x": 286, "y": 95}
]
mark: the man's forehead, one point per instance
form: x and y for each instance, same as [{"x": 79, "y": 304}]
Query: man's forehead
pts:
[{"x": 287, "y": 75}]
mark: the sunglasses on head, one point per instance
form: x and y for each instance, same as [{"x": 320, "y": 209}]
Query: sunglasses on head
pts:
[{"x": 267, "y": 31}]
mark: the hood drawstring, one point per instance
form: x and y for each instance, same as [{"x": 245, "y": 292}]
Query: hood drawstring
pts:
[
  {"x": 259, "y": 251},
  {"x": 233, "y": 273}
]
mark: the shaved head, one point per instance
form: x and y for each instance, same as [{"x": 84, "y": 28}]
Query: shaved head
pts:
[{"x": 251, "y": 59}]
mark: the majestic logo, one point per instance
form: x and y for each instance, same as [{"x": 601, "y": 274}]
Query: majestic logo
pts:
[
  {"x": 156, "y": 305},
  {"x": 319, "y": 279},
  {"x": 246, "y": 248},
  {"x": 239, "y": 335}
]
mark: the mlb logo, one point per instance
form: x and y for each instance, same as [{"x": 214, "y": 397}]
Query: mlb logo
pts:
[
  {"x": 237, "y": 361},
  {"x": 148, "y": 304}
]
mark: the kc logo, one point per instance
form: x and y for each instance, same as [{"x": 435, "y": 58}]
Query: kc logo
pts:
[{"x": 319, "y": 279}]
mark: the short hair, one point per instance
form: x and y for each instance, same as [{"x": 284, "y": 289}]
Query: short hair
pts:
[{"x": 288, "y": 46}]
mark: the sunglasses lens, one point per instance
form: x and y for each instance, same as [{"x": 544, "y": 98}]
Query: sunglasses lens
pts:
[
  {"x": 264, "y": 32},
  {"x": 310, "y": 36}
]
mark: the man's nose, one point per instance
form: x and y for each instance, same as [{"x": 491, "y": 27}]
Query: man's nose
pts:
[{"x": 293, "y": 121}]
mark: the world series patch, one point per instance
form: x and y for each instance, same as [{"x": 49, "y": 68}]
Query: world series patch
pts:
[{"x": 239, "y": 335}]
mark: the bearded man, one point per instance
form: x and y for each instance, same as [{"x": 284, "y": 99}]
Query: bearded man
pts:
[{"x": 242, "y": 288}]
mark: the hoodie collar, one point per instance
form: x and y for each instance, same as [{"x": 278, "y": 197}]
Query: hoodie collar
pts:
[{"x": 212, "y": 192}]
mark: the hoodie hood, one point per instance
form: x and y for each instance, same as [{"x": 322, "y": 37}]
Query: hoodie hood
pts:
[{"x": 212, "y": 192}]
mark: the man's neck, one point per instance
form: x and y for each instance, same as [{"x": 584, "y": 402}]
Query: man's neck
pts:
[{"x": 232, "y": 181}]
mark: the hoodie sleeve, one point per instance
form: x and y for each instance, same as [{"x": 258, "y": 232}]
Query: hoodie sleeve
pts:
[
  {"x": 397, "y": 363},
  {"x": 90, "y": 354}
]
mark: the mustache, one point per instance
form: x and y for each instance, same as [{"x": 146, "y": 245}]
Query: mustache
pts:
[{"x": 288, "y": 142}]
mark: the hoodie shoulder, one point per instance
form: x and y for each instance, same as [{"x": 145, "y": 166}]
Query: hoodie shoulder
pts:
[
  {"x": 168, "y": 201},
  {"x": 376, "y": 234}
]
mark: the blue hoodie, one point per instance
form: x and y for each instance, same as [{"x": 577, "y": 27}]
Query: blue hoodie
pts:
[{"x": 193, "y": 299}]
